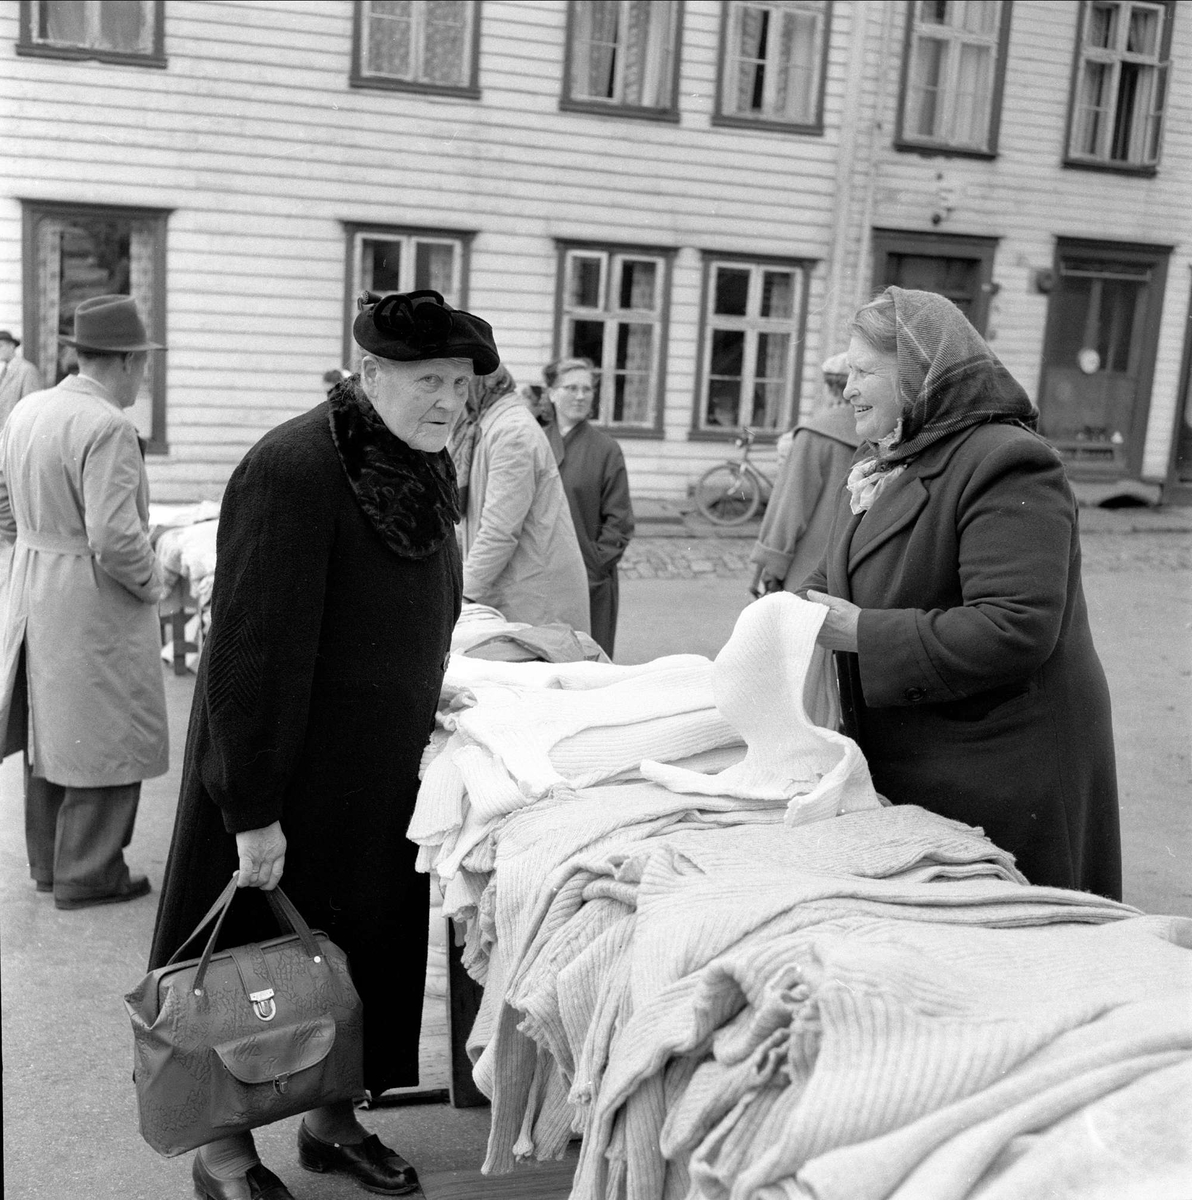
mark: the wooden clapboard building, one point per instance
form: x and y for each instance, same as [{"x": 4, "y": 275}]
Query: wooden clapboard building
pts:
[{"x": 694, "y": 194}]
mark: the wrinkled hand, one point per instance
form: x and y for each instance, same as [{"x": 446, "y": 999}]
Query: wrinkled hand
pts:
[
  {"x": 262, "y": 857},
  {"x": 839, "y": 630}
]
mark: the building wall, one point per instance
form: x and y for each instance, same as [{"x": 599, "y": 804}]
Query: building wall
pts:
[{"x": 255, "y": 141}]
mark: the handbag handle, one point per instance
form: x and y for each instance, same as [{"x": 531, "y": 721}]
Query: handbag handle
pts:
[{"x": 283, "y": 909}]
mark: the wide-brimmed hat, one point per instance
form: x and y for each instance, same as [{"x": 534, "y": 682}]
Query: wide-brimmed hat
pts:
[
  {"x": 109, "y": 325},
  {"x": 414, "y": 326},
  {"x": 5, "y": 336}
]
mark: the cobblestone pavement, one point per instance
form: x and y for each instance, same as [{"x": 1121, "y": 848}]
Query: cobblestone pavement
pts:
[{"x": 671, "y": 557}]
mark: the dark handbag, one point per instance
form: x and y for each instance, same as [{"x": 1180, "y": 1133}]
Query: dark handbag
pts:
[{"x": 244, "y": 1037}]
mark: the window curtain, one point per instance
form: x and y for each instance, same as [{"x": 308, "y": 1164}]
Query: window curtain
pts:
[
  {"x": 49, "y": 286},
  {"x": 389, "y": 38},
  {"x": 125, "y": 25},
  {"x": 594, "y": 52},
  {"x": 64, "y": 21},
  {"x": 796, "y": 81},
  {"x": 648, "y": 51},
  {"x": 446, "y": 42},
  {"x": 141, "y": 241},
  {"x": 750, "y": 48}
]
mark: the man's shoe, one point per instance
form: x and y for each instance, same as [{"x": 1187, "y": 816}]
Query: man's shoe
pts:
[
  {"x": 258, "y": 1184},
  {"x": 132, "y": 888},
  {"x": 370, "y": 1162}
]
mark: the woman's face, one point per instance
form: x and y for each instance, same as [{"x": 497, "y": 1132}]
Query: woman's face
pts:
[
  {"x": 872, "y": 390},
  {"x": 572, "y": 396}
]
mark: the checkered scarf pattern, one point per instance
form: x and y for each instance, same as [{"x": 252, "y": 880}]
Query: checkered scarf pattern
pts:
[{"x": 948, "y": 377}]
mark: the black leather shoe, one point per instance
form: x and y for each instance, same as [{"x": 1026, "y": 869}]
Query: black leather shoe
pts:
[
  {"x": 258, "y": 1184},
  {"x": 370, "y": 1162},
  {"x": 132, "y": 888}
]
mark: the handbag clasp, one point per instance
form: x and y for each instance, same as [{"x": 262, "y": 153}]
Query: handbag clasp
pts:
[
  {"x": 263, "y": 1004},
  {"x": 281, "y": 1082}
]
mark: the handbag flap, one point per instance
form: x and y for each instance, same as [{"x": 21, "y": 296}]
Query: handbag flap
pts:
[{"x": 271, "y": 1054}]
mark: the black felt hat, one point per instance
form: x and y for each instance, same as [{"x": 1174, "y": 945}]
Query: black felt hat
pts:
[{"x": 413, "y": 326}]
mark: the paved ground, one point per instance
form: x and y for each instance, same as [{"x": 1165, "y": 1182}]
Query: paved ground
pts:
[{"x": 69, "y": 1112}]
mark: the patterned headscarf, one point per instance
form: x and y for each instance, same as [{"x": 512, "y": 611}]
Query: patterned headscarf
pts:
[
  {"x": 483, "y": 392},
  {"x": 948, "y": 377}
]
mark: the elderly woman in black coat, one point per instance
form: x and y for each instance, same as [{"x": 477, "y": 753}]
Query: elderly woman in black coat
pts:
[
  {"x": 337, "y": 587},
  {"x": 967, "y": 669}
]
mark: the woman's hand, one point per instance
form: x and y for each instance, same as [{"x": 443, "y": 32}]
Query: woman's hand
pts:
[
  {"x": 262, "y": 857},
  {"x": 839, "y": 630}
]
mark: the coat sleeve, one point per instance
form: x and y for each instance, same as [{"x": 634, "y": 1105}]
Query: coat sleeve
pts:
[
  {"x": 1015, "y": 523},
  {"x": 275, "y": 537},
  {"x": 8, "y": 522},
  {"x": 514, "y": 461},
  {"x": 112, "y": 470},
  {"x": 616, "y": 511},
  {"x": 796, "y": 493}
]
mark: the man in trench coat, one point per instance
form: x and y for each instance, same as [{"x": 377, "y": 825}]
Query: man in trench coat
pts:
[{"x": 80, "y": 668}]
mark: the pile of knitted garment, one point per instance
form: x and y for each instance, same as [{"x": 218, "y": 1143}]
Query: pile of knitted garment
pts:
[
  {"x": 513, "y": 735},
  {"x": 852, "y": 1009}
]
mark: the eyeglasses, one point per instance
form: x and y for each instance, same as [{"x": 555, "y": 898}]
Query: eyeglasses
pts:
[{"x": 576, "y": 389}]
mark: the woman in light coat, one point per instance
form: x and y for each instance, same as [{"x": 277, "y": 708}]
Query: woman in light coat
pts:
[{"x": 521, "y": 555}]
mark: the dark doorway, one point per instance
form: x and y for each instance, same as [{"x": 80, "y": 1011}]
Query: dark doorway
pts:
[
  {"x": 960, "y": 268},
  {"x": 1099, "y": 354}
]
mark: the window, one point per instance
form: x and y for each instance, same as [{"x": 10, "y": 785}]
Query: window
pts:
[
  {"x": 614, "y": 312},
  {"x": 953, "y": 72},
  {"x": 73, "y": 252},
  {"x": 417, "y": 45},
  {"x": 622, "y": 57},
  {"x": 772, "y": 64},
  {"x": 752, "y": 344},
  {"x": 388, "y": 260},
  {"x": 125, "y": 31},
  {"x": 1119, "y": 85}
]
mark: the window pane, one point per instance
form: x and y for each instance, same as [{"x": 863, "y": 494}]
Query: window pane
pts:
[
  {"x": 767, "y": 405},
  {"x": 647, "y": 52},
  {"x": 124, "y": 25},
  {"x": 1143, "y": 34},
  {"x": 934, "y": 12},
  {"x": 926, "y": 79},
  {"x": 390, "y": 38},
  {"x": 724, "y": 402},
  {"x": 1102, "y": 26},
  {"x": 752, "y": 43},
  {"x": 434, "y": 267},
  {"x": 63, "y": 21},
  {"x": 778, "y": 292},
  {"x": 637, "y": 284},
  {"x": 970, "y": 108},
  {"x": 585, "y": 281},
  {"x": 732, "y": 291},
  {"x": 587, "y": 340},
  {"x": 446, "y": 42},
  {"x": 978, "y": 16},
  {"x": 796, "y": 82},
  {"x": 594, "y": 55},
  {"x": 728, "y": 352},
  {"x": 380, "y": 265}
]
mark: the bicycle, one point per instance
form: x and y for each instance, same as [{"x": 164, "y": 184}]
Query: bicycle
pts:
[{"x": 731, "y": 492}]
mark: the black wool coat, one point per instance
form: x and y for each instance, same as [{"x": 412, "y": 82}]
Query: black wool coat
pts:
[
  {"x": 596, "y": 482},
  {"x": 333, "y": 606},
  {"x": 976, "y": 691}
]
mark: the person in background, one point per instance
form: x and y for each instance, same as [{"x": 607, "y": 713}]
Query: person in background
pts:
[
  {"x": 81, "y": 636},
  {"x": 337, "y": 587},
  {"x": 794, "y": 530},
  {"x": 597, "y": 485},
  {"x": 17, "y": 377},
  {"x": 968, "y": 674},
  {"x": 521, "y": 555}
]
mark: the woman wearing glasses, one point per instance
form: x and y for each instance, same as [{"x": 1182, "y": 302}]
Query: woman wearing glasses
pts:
[{"x": 597, "y": 487}]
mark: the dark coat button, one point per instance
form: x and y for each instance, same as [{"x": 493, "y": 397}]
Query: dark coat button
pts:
[{"x": 914, "y": 694}]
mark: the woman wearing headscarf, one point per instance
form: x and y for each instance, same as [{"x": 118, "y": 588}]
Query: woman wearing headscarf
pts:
[
  {"x": 597, "y": 485},
  {"x": 967, "y": 669},
  {"x": 794, "y": 530},
  {"x": 521, "y": 556}
]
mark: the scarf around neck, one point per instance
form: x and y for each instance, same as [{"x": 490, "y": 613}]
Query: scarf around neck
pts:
[
  {"x": 408, "y": 496},
  {"x": 948, "y": 377}
]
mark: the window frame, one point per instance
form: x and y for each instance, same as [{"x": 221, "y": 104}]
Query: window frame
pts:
[
  {"x": 735, "y": 120},
  {"x": 612, "y": 108},
  {"x": 798, "y": 335},
  {"x": 909, "y": 143},
  {"x": 27, "y": 46},
  {"x": 666, "y": 256},
  {"x": 356, "y": 230},
  {"x": 1082, "y": 163},
  {"x": 359, "y": 78},
  {"x": 34, "y": 210}
]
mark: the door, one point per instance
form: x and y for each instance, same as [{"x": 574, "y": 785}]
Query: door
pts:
[
  {"x": 960, "y": 268},
  {"x": 1099, "y": 355}
]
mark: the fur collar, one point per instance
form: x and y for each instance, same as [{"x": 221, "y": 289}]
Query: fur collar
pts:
[{"x": 408, "y": 496}]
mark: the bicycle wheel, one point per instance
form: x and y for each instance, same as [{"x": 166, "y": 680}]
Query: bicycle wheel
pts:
[{"x": 726, "y": 495}]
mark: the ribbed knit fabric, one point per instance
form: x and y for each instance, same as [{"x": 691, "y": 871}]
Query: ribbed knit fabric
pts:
[{"x": 760, "y": 679}]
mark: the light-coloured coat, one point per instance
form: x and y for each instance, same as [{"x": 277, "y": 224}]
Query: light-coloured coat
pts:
[
  {"x": 82, "y": 589},
  {"x": 521, "y": 555}
]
